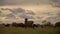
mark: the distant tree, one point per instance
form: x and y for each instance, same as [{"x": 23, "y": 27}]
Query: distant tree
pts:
[
  {"x": 44, "y": 23},
  {"x": 18, "y": 24},
  {"x": 35, "y": 25},
  {"x": 14, "y": 24},
  {"x": 48, "y": 24},
  {"x": 57, "y": 24},
  {"x": 3, "y": 24},
  {"x": 21, "y": 25},
  {"x": 7, "y": 25}
]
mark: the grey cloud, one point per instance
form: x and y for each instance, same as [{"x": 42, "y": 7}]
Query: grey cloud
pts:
[
  {"x": 17, "y": 10},
  {"x": 26, "y": 16},
  {"x": 1, "y": 14},
  {"x": 54, "y": 18},
  {"x": 5, "y": 9},
  {"x": 10, "y": 16},
  {"x": 21, "y": 12},
  {"x": 1, "y": 2},
  {"x": 55, "y": 3},
  {"x": 48, "y": 13},
  {"x": 58, "y": 13},
  {"x": 14, "y": 11},
  {"x": 25, "y": 2},
  {"x": 30, "y": 12},
  {"x": 39, "y": 17}
]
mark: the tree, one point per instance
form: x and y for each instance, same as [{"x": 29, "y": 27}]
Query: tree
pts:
[{"x": 57, "y": 24}]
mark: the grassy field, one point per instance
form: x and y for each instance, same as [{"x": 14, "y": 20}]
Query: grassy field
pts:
[{"x": 19, "y": 30}]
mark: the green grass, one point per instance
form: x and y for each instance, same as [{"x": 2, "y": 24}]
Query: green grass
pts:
[{"x": 19, "y": 30}]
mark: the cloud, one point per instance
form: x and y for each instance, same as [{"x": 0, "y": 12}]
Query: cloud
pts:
[
  {"x": 30, "y": 12},
  {"x": 10, "y": 16},
  {"x": 24, "y": 2},
  {"x": 55, "y": 3},
  {"x": 22, "y": 13},
  {"x": 5, "y": 9},
  {"x": 17, "y": 10},
  {"x": 19, "y": 13},
  {"x": 14, "y": 12},
  {"x": 1, "y": 2},
  {"x": 26, "y": 16},
  {"x": 58, "y": 13},
  {"x": 54, "y": 19},
  {"x": 0, "y": 13}
]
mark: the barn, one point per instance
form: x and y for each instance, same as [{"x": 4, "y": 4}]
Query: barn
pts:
[{"x": 28, "y": 23}]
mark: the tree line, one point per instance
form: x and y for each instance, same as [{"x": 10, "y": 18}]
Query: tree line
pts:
[
  {"x": 31, "y": 24},
  {"x": 48, "y": 24}
]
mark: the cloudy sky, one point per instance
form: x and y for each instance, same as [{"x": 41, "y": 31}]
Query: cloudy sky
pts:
[{"x": 36, "y": 10}]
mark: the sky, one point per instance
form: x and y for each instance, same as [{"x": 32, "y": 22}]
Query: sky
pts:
[{"x": 36, "y": 10}]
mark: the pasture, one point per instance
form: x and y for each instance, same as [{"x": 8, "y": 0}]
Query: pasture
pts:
[{"x": 20, "y": 30}]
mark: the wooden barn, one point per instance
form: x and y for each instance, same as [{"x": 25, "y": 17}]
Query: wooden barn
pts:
[{"x": 28, "y": 23}]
